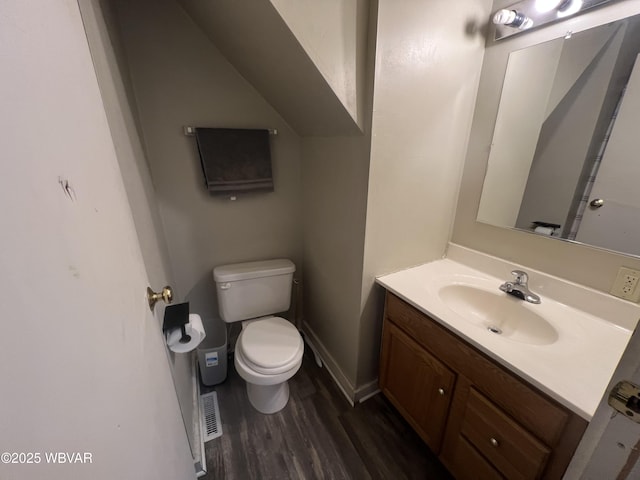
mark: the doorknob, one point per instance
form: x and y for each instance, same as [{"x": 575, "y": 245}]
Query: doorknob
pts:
[
  {"x": 166, "y": 294},
  {"x": 596, "y": 202}
]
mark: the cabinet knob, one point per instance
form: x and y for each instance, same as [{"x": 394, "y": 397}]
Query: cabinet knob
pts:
[
  {"x": 494, "y": 442},
  {"x": 441, "y": 391}
]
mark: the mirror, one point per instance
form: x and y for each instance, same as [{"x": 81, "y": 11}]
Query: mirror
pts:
[{"x": 564, "y": 158}]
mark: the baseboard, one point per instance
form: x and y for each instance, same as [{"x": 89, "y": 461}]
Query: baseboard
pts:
[
  {"x": 199, "y": 458},
  {"x": 334, "y": 370},
  {"x": 353, "y": 395},
  {"x": 366, "y": 391}
]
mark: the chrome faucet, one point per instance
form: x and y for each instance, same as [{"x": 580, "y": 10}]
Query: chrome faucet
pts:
[{"x": 520, "y": 288}]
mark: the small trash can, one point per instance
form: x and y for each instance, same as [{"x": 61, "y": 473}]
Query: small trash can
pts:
[{"x": 212, "y": 352}]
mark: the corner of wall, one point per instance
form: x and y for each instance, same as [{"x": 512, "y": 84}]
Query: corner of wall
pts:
[
  {"x": 322, "y": 353},
  {"x": 423, "y": 102}
]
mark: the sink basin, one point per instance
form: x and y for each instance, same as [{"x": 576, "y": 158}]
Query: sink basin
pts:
[
  {"x": 499, "y": 314},
  {"x": 568, "y": 346}
]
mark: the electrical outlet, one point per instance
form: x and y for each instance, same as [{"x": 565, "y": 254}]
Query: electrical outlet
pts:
[{"x": 627, "y": 285}]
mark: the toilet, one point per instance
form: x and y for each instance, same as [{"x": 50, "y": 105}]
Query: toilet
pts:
[{"x": 269, "y": 349}]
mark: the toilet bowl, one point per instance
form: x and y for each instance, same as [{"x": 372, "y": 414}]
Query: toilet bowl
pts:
[
  {"x": 268, "y": 353},
  {"x": 269, "y": 349}
]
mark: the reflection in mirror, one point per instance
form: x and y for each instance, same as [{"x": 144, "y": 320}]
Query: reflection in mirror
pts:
[{"x": 564, "y": 158}]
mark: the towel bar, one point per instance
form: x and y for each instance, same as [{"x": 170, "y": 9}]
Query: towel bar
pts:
[{"x": 191, "y": 131}]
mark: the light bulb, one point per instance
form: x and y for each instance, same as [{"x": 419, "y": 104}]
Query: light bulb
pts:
[
  {"x": 569, "y": 8},
  {"x": 544, "y": 6},
  {"x": 511, "y": 18},
  {"x": 504, "y": 17}
]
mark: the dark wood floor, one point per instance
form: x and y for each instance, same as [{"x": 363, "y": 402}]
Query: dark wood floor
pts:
[{"x": 317, "y": 435}]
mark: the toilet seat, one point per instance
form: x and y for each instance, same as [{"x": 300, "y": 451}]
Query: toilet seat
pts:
[{"x": 270, "y": 346}]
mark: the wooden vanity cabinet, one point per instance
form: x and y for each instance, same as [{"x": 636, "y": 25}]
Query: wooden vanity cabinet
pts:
[
  {"x": 482, "y": 420},
  {"x": 417, "y": 384}
]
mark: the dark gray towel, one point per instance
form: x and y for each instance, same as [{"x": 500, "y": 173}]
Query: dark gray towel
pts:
[{"x": 235, "y": 160}]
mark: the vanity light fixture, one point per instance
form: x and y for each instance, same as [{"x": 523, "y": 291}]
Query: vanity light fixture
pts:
[
  {"x": 544, "y": 6},
  {"x": 512, "y": 18},
  {"x": 528, "y": 14},
  {"x": 570, "y": 7}
]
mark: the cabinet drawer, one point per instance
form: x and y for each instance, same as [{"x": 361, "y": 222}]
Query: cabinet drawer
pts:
[
  {"x": 509, "y": 447},
  {"x": 467, "y": 464}
]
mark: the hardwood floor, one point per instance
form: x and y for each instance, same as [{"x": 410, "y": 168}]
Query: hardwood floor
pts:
[{"x": 318, "y": 435}]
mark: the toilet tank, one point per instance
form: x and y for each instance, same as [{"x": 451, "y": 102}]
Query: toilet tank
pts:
[{"x": 253, "y": 289}]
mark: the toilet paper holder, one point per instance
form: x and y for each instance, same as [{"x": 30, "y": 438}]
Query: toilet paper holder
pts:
[{"x": 177, "y": 316}]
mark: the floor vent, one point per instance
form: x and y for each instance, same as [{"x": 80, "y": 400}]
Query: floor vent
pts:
[{"x": 210, "y": 416}]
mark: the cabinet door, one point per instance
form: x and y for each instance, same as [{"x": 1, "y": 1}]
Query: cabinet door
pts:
[
  {"x": 465, "y": 463},
  {"x": 417, "y": 384}
]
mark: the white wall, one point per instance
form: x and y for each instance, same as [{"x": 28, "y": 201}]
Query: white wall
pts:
[
  {"x": 585, "y": 265},
  {"x": 427, "y": 71},
  {"x": 179, "y": 79},
  {"x": 427, "y": 66},
  {"x": 82, "y": 358}
]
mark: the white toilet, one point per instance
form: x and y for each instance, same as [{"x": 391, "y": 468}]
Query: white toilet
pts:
[{"x": 269, "y": 349}]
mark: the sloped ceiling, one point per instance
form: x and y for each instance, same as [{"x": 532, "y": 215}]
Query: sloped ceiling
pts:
[{"x": 257, "y": 41}]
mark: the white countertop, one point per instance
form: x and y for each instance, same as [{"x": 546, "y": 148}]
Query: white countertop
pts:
[{"x": 574, "y": 370}]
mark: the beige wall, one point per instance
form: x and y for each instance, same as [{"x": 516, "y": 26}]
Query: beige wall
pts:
[
  {"x": 180, "y": 79},
  {"x": 578, "y": 53},
  {"x": 255, "y": 38},
  {"x": 334, "y": 205},
  {"x": 327, "y": 32},
  {"x": 334, "y": 176},
  {"x": 588, "y": 266}
]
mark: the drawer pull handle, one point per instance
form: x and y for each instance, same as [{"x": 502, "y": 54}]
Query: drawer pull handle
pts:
[
  {"x": 441, "y": 391},
  {"x": 494, "y": 442}
]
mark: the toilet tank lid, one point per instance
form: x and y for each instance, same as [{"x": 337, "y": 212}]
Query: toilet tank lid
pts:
[{"x": 247, "y": 270}]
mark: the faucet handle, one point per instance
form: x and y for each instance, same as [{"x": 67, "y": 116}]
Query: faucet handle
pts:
[{"x": 521, "y": 277}]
